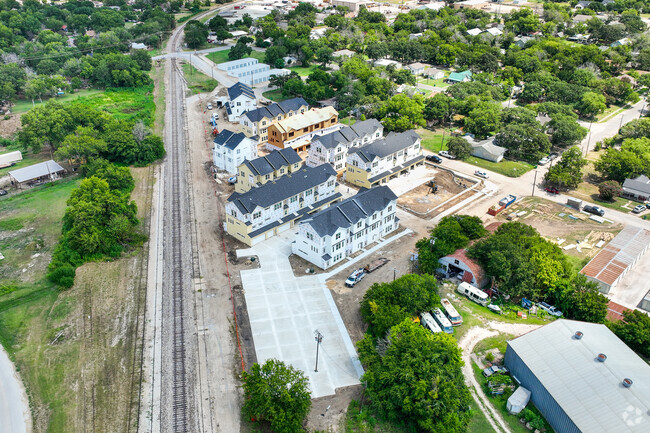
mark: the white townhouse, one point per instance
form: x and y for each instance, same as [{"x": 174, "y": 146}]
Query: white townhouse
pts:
[
  {"x": 382, "y": 160},
  {"x": 241, "y": 98},
  {"x": 231, "y": 150},
  {"x": 255, "y": 123},
  {"x": 331, "y": 235},
  {"x": 272, "y": 208},
  {"x": 333, "y": 148}
]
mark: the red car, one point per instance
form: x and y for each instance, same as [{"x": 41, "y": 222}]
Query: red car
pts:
[{"x": 552, "y": 190}]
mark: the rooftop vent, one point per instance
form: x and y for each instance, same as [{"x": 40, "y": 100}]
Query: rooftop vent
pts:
[
  {"x": 601, "y": 357},
  {"x": 627, "y": 382},
  {"x": 578, "y": 335}
]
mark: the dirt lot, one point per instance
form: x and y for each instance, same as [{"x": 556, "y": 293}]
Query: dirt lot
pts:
[
  {"x": 9, "y": 127},
  {"x": 421, "y": 201},
  {"x": 556, "y": 223}
]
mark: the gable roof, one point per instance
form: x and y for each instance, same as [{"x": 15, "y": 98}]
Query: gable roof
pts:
[
  {"x": 229, "y": 139},
  {"x": 459, "y": 76},
  {"x": 388, "y": 145},
  {"x": 641, "y": 184},
  {"x": 35, "y": 171},
  {"x": 284, "y": 187},
  {"x": 275, "y": 109},
  {"x": 348, "y": 212},
  {"x": 349, "y": 133},
  {"x": 273, "y": 161},
  {"x": 238, "y": 89},
  {"x": 315, "y": 115}
]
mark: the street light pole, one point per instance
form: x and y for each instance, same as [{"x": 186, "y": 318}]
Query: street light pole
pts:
[
  {"x": 534, "y": 183},
  {"x": 319, "y": 338}
]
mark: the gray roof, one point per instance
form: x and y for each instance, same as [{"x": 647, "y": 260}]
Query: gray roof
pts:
[
  {"x": 239, "y": 89},
  {"x": 348, "y": 212},
  {"x": 275, "y": 109},
  {"x": 349, "y": 133},
  {"x": 284, "y": 187},
  {"x": 390, "y": 144},
  {"x": 273, "y": 161},
  {"x": 35, "y": 171},
  {"x": 641, "y": 184},
  {"x": 588, "y": 391},
  {"x": 229, "y": 139}
]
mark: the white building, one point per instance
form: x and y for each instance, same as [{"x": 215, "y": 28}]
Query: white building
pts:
[
  {"x": 333, "y": 148},
  {"x": 250, "y": 71},
  {"x": 232, "y": 149},
  {"x": 241, "y": 98},
  {"x": 344, "y": 228},
  {"x": 386, "y": 63}
]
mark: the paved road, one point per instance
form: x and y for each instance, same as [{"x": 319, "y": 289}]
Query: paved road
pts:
[{"x": 14, "y": 407}]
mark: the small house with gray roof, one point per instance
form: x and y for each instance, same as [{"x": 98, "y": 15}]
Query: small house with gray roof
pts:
[
  {"x": 274, "y": 207},
  {"x": 382, "y": 160},
  {"x": 333, "y": 148},
  {"x": 241, "y": 98},
  {"x": 329, "y": 236},
  {"x": 258, "y": 171},
  {"x": 637, "y": 189},
  {"x": 255, "y": 123},
  {"x": 231, "y": 150}
]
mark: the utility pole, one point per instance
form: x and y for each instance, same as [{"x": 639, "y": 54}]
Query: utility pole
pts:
[
  {"x": 589, "y": 139},
  {"x": 394, "y": 273},
  {"x": 534, "y": 182},
  {"x": 319, "y": 339},
  {"x": 443, "y": 138}
]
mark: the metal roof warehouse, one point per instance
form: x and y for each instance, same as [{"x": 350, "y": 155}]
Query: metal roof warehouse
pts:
[
  {"x": 582, "y": 378},
  {"x": 48, "y": 169},
  {"x": 616, "y": 258}
]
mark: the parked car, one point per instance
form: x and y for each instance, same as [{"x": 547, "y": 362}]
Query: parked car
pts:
[
  {"x": 553, "y": 155},
  {"x": 494, "y": 308},
  {"x": 489, "y": 371},
  {"x": 639, "y": 208},
  {"x": 446, "y": 154},
  {"x": 552, "y": 190},
  {"x": 215, "y": 116},
  {"x": 594, "y": 210},
  {"x": 550, "y": 309},
  {"x": 209, "y": 106},
  {"x": 232, "y": 180},
  {"x": 3, "y": 192},
  {"x": 355, "y": 277},
  {"x": 544, "y": 161},
  {"x": 434, "y": 158},
  {"x": 482, "y": 174}
]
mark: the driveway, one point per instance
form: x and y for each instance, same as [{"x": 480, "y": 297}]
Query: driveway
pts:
[
  {"x": 14, "y": 408},
  {"x": 286, "y": 310}
]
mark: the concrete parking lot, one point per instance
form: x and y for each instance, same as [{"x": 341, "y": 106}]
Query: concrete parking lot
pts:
[{"x": 284, "y": 312}]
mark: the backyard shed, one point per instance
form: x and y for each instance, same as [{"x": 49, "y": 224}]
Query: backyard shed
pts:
[
  {"x": 518, "y": 400},
  {"x": 468, "y": 270},
  {"x": 41, "y": 172}
]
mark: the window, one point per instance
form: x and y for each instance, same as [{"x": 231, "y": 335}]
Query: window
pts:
[
  {"x": 339, "y": 157},
  {"x": 308, "y": 192},
  {"x": 233, "y": 212},
  {"x": 282, "y": 171},
  {"x": 456, "y": 262},
  {"x": 374, "y": 164},
  {"x": 374, "y": 217},
  {"x": 239, "y": 104},
  {"x": 277, "y": 206},
  {"x": 242, "y": 173},
  {"x": 293, "y": 199},
  {"x": 355, "y": 163},
  {"x": 238, "y": 151},
  {"x": 279, "y": 117},
  {"x": 263, "y": 122},
  {"x": 330, "y": 183},
  {"x": 290, "y": 114},
  {"x": 359, "y": 224},
  {"x": 267, "y": 177},
  {"x": 291, "y": 134},
  {"x": 310, "y": 236},
  {"x": 256, "y": 215},
  {"x": 338, "y": 236},
  {"x": 305, "y": 129},
  {"x": 390, "y": 208}
]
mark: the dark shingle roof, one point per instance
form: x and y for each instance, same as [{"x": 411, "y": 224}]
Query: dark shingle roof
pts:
[
  {"x": 349, "y": 133},
  {"x": 274, "y": 160},
  {"x": 392, "y": 143},
  {"x": 229, "y": 139},
  {"x": 239, "y": 89},
  {"x": 641, "y": 183},
  {"x": 286, "y": 186},
  {"x": 275, "y": 109},
  {"x": 350, "y": 211}
]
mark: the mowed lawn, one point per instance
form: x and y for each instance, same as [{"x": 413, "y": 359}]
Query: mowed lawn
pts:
[
  {"x": 274, "y": 95},
  {"x": 505, "y": 167},
  {"x": 222, "y": 56},
  {"x": 433, "y": 140}
]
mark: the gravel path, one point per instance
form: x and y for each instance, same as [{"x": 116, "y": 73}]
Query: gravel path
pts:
[{"x": 467, "y": 343}]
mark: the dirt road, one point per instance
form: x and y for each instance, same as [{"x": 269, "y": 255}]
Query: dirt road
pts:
[{"x": 467, "y": 343}]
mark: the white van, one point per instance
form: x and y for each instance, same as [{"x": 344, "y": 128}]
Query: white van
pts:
[
  {"x": 442, "y": 320},
  {"x": 474, "y": 294},
  {"x": 427, "y": 321}
]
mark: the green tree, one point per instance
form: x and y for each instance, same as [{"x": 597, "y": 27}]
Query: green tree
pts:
[
  {"x": 523, "y": 141},
  {"x": 567, "y": 173},
  {"x": 609, "y": 189},
  {"x": 483, "y": 120},
  {"x": 239, "y": 51},
  {"x": 459, "y": 147},
  {"x": 46, "y": 124},
  {"x": 579, "y": 299},
  {"x": 634, "y": 330},
  {"x": 81, "y": 146},
  {"x": 276, "y": 393},
  {"x": 438, "y": 108},
  {"x": 415, "y": 377},
  {"x": 401, "y": 112},
  {"x": 196, "y": 33},
  {"x": 385, "y": 305},
  {"x": 118, "y": 178},
  {"x": 566, "y": 132},
  {"x": 324, "y": 55},
  {"x": 628, "y": 162},
  {"x": 591, "y": 104}
]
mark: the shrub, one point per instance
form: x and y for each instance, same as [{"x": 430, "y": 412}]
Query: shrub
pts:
[
  {"x": 489, "y": 357},
  {"x": 608, "y": 190},
  {"x": 61, "y": 275}
]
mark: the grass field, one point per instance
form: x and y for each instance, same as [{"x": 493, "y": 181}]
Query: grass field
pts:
[
  {"x": 127, "y": 104},
  {"x": 303, "y": 71},
  {"x": 506, "y": 168},
  {"x": 222, "y": 56},
  {"x": 197, "y": 81},
  {"x": 24, "y": 105},
  {"x": 432, "y": 140},
  {"x": 274, "y": 95}
]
